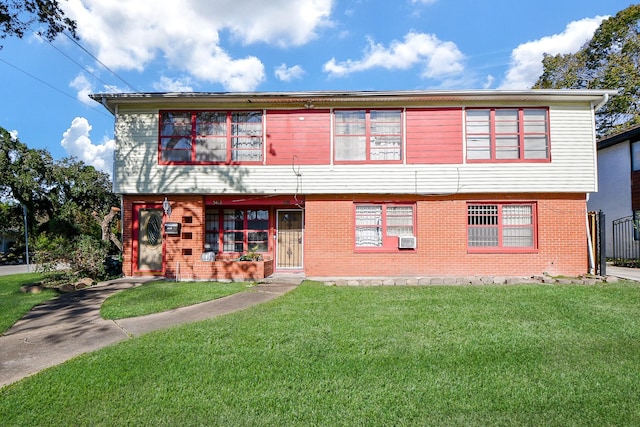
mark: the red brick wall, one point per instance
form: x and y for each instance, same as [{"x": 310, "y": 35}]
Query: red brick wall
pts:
[
  {"x": 441, "y": 240},
  {"x": 176, "y": 248},
  {"x": 182, "y": 254}
]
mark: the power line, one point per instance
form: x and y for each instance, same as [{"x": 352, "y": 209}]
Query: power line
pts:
[
  {"x": 52, "y": 87},
  {"x": 100, "y": 62},
  {"x": 73, "y": 60}
]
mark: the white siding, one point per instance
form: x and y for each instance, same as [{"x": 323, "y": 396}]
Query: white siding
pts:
[{"x": 572, "y": 168}]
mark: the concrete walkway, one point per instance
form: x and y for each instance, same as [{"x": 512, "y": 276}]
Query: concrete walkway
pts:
[
  {"x": 624, "y": 272},
  {"x": 65, "y": 327}
]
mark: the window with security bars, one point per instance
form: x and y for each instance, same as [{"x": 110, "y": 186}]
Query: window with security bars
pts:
[
  {"x": 379, "y": 225},
  {"x": 502, "y": 226},
  {"x": 507, "y": 134},
  {"x": 196, "y": 137},
  {"x": 368, "y": 135},
  {"x": 236, "y": 230}
]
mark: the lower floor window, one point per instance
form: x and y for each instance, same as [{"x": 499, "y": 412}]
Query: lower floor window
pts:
[
  {"x": 379, "y": 225},
  {"x": 508, "y": 226},
  {"x": 236, "y": 230}
]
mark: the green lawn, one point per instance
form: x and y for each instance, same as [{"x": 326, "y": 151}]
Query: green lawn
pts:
[
  {"x": 523, "y": 355},
  {"x": 15, "y": 304},
  {"x": 155, "y": 297}
]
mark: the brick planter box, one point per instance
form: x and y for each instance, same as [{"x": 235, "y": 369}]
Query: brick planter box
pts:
[{"x": 232, "y": 269}]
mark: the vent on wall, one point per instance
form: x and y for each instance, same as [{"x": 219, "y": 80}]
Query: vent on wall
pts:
[{"x": 406, "y": 242}]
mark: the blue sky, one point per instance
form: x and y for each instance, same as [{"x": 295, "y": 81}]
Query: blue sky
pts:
[{"x": 276, "y": 45}]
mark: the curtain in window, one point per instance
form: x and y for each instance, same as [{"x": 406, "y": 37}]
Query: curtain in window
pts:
[{"x": 368, "y": 226}]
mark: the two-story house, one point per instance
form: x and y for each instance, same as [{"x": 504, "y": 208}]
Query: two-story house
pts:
[{"x": 356, "y": 184}]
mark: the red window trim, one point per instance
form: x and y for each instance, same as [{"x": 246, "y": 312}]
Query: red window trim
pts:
[
  {"x": 521, "y": 136},
  {"x": 500, "y": 248},
  {"x": 245, "y": 231},
  {"x": 389, "y": 243},
  {"x": 228, "y": 137},
  {"x": 368, "y": 136}
]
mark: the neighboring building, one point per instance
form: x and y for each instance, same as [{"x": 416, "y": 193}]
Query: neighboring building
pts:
[
  {"x": 618, "y": 195},
  {"x": 357, "y": 184},
  {"x": 8, "y": 240}
]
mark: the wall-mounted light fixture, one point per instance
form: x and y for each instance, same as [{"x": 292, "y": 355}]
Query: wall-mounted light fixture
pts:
[{"x": 166, "y": 206}]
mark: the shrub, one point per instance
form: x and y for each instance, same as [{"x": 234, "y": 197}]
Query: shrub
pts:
[
  {"x": 88, "y": 257},
  {"x": 85, "y": 256}
]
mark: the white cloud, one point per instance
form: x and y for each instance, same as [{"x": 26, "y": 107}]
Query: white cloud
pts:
[
  {"x": 489, "y": 82},
  {"x": 526, "y": 59},
  {"x": 439, "y": 59},
  {"x": 84, "y": 88},
  {"x": 286, "y": 74},
  {"x": 77, "y": 143},
  {"x": 129, "y": 35},
  {"x": 13, "y": 134},
  {"x": 167, "y": 84},
  {"x": 424, "y": 1}
]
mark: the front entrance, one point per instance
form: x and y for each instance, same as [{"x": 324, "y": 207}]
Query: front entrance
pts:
[
  {"x": 290, "y": 226},
  {"x": 148, "y": 239}
]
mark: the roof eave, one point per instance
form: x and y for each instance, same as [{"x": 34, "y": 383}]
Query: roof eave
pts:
[{"x": 110, "y": 100}]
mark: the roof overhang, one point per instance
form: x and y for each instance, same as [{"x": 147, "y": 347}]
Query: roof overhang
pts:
[
  {"x": 631, "y": 134},
  {"x": 330, "y": 98}
]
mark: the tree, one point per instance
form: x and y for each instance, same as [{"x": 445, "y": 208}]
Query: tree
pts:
[
  {"x": 16, "y": 17},
  {"x": 26, "y": 177},
  {"x": 10, "y": 218},
  {"x": 80, "y": 191},
  {"x": 60, "y": 196},
  {"x": 610, "y": 60}
]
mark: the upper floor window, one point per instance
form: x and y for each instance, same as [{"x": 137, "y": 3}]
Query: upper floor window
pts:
[
  {"x": 368, "y": 135},
  {"x": 210, "y": 136},
  {"x": 507, "y": 134},
  {"x": 635, "y": 156}
]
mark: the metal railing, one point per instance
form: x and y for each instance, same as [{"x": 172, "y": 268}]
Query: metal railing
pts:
[{"x": 626, "y": 239}]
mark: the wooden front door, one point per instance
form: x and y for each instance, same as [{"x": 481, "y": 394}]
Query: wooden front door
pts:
[
  {"x": 148, "y": 236},
  {"x": 290, "y": 237}
]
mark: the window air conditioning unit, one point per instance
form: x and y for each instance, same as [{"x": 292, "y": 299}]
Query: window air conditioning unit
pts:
[{"x": 406, "y": 242}]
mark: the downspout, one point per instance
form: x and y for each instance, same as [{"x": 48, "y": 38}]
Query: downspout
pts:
[
  {"x": 590, "y": 243},
  {"x": 599, "y": 105},
  {"x": 103, "y": 101},
  {"x": 592, "y": 262}
]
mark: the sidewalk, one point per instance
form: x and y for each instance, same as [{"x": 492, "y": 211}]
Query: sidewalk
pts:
[
  {"x": 70, "y": 325},
  {"x": 624, "y": 272}
]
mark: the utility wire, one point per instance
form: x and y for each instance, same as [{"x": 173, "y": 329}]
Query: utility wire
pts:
[
  {"x": 73, "y": 60},
  {"x": 53, "y": 87},
  {"x": 100, "y": 62}
]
